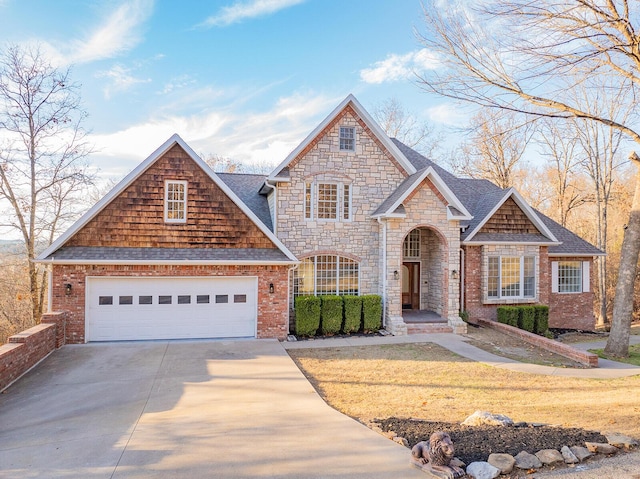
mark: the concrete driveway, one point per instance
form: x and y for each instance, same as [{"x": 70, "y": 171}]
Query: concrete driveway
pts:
[{"x": 184, "y": 409}]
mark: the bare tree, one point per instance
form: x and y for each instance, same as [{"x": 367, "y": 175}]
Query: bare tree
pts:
[
  {"x": 223, "y": 164},
  {"x": 540, "y": 58},
  {"x": 397, "y": 122},
  {"x": 42, "y": 153},
  {"x": 495, "y": 148}
]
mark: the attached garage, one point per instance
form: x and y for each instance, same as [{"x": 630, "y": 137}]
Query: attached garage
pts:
[{"x": 136, "y": 308}]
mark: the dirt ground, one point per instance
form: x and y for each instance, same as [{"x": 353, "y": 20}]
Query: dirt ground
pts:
[{"x": 500, "y": 344}]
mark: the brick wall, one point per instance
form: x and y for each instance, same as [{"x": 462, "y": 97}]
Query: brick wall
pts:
[
  {"x": 272, "y": 308},
  {"x": 24, "y": 350},
  {"x": 583, "y": 357},
  {"x": 573, "y": 310},
  {"x": 475, "y": 266}
]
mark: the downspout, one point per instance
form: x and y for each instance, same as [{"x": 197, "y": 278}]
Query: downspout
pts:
[
  {"x": 49, "y": 287},
  {"x": 289, "y": 277},
  {"x": 384, "y": 271},
  {"x": 462, "y": 280}
]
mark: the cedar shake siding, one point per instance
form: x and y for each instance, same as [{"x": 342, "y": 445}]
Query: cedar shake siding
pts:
[
  {"x": 509, "y": 219},
  {"x": 135, "y": 218}
]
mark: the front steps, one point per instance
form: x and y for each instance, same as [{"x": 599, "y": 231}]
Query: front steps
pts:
[{"x": 428, "y": 328}]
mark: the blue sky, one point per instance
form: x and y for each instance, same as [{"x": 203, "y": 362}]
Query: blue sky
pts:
[{"x": 245, "y": 79}]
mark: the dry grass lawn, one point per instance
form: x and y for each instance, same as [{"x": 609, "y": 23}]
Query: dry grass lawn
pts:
[{"x": 429, "y": 382}]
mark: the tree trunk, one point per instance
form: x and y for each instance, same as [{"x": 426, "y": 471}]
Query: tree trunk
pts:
[{"x": 618, "y": 342}]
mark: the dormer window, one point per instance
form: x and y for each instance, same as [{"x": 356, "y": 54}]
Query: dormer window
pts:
[
  {"x": 175, "y": 201},
  {"x": 347, "y": 138}
]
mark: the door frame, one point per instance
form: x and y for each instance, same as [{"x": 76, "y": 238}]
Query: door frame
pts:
[{"x": 414, "y": 297}]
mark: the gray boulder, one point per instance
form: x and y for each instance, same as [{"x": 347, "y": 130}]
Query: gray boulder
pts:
[
  {"x": 581, "y": 453},
  {"x": 549, "y": 456},
  {"x": 601, "y": 448},
  {"x": 620, "y": 440},
  {"x": 482, "y": 470},
  {"x": 482, "y": 418},
  {"x": 504, "y": 462},
  {"x": 568, "y": 456},
  {"x": 524, "y": 460}
]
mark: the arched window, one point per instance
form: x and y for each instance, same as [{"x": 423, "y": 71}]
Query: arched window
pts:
[{"x": 326, "y": 274}]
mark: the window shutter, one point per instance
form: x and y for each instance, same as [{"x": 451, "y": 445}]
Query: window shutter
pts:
[
  {"x": 554, "y": 276},
  {"x": 586, "y": 279}
]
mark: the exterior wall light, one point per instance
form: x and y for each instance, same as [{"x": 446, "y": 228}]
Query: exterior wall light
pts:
[
  {"x": 67, "y": 289},
  {"x": 455, "y": 274},
  {"x": 396, "y": 275},
  {"x": 271, "y": 288}
]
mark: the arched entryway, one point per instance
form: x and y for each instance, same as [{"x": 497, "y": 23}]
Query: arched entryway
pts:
[{"x": 423, "y": 271}]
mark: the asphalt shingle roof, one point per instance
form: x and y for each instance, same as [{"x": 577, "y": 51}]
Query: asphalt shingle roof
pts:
[
  {"x": 247, "y": 187},
  {"x": 101, "y": 253}
]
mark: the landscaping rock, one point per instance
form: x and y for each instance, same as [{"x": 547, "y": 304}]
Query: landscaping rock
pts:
[
  {"x": 482, "y": 470},
  {"x": 504, "y": 462},
  {"x": 527, "y": 461},
  {"x": 601, "y": 448},
  {"x": 568, "y": 456},
  {"x": 581, "y": 453},
  {"x": 620, "y": 440},
  {"x": 484, "y": 418},
  {"x": 549, "y": 456}
]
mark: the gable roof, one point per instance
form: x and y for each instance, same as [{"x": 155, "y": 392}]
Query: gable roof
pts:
[
  {"x": 474, "y": 235},
  {"x": 281, "y": 172},
  {"x": 389, "y": 207},
  {"x": 248, "y": 187},
  {"x": 48, "y": 254}
]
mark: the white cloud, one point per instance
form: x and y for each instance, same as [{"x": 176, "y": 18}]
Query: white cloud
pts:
[
  {"x": 119, "y": 32},
  {"x": 399, "y": 67},
  {"x": 176, "y": 83},
  {"x": 120, "y": 78},
  {"x": 240, "y": 11},
  {"x": 448, "y": 114},
  {"x": 265, "y": 137}
]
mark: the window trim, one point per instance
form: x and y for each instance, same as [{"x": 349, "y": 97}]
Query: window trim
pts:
[
  {"x": 352, "y": 263},
  {"x": 406, "y": 244},
  {"x": 585, "y": 276},
  {"x": 344, "y": 201},
  {"x": 352, "y": 139},
  {"x": 521, "y": 296},
  {"x": 185, "y": 185}
]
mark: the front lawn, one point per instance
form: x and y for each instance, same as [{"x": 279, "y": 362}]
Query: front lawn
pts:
[
  {"x": 634, "y": 355},
  {"x": 429, "y": 382}
]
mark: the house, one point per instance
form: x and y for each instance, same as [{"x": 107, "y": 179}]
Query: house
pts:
[{"x": 178, "y": 251}]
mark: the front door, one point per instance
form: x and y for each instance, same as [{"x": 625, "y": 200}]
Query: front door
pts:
[{"x": 410, "y": 285}]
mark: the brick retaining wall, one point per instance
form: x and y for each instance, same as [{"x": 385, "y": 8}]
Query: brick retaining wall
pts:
[
  {"x": 26, "y": 349},
  {"x": 582, "y": 357}
]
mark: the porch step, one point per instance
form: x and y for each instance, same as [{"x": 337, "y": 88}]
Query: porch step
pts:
[{"x": 428, "y": 328}]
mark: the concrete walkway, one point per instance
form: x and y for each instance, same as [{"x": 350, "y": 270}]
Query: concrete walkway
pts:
[
  {"x": 459, "y": 345},
  {"x": 187, "y": 409}
]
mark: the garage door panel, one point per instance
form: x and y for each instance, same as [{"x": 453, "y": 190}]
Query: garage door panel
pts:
[{"x": 170, "y": 308}]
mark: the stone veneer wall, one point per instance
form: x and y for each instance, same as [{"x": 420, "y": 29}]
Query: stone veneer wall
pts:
[
  {"x": 476, "y": 302},
  {"x": 273, "y": 318},
  {"x": 372, "y": 176},
  {"x": 573, "y": 310}
]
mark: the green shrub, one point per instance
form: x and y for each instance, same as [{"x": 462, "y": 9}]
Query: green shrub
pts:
[
  {"x": 352, "y": 314},
  {"x": 542, "y": 319},
  {"x": 331, "y": 316},
  {"x": 371, "y": 312},
  {"x": 527, "y": 318},
  {"x": 464, "y": 315},
  {"x": 307, "y": 315},
  {"x": 508, "y": 315}
]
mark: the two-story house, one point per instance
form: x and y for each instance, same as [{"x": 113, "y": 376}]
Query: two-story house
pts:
[{"x": 178, "y": 251}]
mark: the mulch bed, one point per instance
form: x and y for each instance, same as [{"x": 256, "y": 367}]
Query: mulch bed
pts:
[{"x": 475, "y": 443}]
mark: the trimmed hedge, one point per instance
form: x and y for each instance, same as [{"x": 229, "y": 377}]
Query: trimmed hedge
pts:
[
  {"x": 352, "y": 314},
  {"x": 527, "y": 318},
  {"x": 307, "y": 315},
  {"x": 542, "y": 319},
  {"x": 371, "y": 312},
  {"x": 508, "y": 315},
  {"x": 331, "y": 317},
  {"x": 532, "y": 318}
]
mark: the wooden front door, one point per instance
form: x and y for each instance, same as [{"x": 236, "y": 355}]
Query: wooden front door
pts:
[{"x": 410, "y": 285}]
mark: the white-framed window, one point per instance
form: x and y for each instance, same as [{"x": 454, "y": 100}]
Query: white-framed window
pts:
[
  {"x": 326, "y": 274},
  {"x": 175, "y": 201},
  {"x": 327, "y": 201},
  {"x": 570, "y": 276},
  {"x": 347, "y": 138},
  {"x": 411, "y": 245},
  {"x": 511, "y": 277}
]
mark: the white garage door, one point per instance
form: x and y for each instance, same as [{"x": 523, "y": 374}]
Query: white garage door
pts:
[{"x": 127, "y": 308}]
